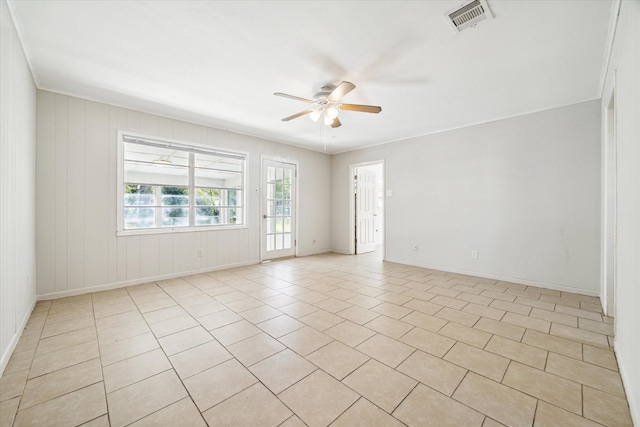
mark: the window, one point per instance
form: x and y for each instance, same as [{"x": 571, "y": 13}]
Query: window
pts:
[{"x": 167, "y": 185}]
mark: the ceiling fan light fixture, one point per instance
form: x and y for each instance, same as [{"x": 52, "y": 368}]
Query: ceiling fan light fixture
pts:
[
  {"x": 327, "y": 103},
  {"x": 332, "y": 112},
  {"x": 315, "y": 115}
]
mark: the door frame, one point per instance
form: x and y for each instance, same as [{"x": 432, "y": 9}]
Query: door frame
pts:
[
  {"x": 261, "y": 240},
  {"x": 352, "y": 205},
  {"x": 609, "y": 206}
]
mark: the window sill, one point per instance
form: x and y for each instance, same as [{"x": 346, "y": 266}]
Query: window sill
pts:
[{"x": 142, "y": 232}]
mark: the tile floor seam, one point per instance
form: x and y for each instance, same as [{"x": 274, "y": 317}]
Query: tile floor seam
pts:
[
  {"x": 235, "y": 394},
  {"x": 172, "y": 368},
  {"x": 535, "y": 412},
  {"x": 104, "y": 386},
  {"x": 405, "y": 397},
  {"x": 17, "y": 408},
  {"x": 452, "y": 394}
]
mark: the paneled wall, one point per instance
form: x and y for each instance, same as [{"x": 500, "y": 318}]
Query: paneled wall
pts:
[
  {"x": 524, "y": 192},
  {"x": 17, "y": 188},
  {"x": 623, "y": 75},
  {"x": 76, "y": 214}
]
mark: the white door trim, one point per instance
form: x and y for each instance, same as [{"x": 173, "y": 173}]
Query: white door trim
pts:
[
  {"x": 352, "y": 205},
  {"x": 261, "y": 240},
  {"x": 609, "y": 206}
]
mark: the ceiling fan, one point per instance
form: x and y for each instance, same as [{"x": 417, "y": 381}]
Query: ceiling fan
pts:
[{"x": 326, "y": 103}]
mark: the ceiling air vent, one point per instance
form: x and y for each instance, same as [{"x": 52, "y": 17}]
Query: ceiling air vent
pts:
[{"x": 468, "y": 15}]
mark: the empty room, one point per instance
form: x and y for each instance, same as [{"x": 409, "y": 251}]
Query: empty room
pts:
[{"x": 320, "y": 213}]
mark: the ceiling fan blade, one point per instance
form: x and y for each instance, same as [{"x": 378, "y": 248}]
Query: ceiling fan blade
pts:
[
  {"x": 362, "y": 108},
  {"x": 336, "y": 123},
  {"x": 295, "y": 116},
  {"x": 341, "y": 90},
  {"x": 297, "y": 98}
]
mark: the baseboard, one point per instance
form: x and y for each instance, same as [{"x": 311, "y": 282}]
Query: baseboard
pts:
[
  {"x": 133, "y": 282},
  {"x": 321, "y": 252},
  {"x": 632, "y": 397},
  {"x": 4, "y": 361},
  {"x": 518, "y": 280},
  {"x": 340, "y": 252}
]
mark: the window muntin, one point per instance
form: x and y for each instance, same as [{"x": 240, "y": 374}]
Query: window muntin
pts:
[{"x": 178, "y": 186}]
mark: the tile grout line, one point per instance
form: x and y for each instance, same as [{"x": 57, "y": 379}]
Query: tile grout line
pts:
[{"x": 169, "y": 360}]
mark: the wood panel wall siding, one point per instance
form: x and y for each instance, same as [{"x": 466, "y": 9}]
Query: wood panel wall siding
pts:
[
  {"x": 17, "y": 188},
  {"x": 77, "y": 213}
]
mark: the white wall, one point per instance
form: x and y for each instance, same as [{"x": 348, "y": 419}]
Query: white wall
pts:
[
  {"x": 17, "y": 188},
  {"x": 625, "y": 63},
  {"x": 76, "y": 213},
  {"x": 524, "y": 192}
]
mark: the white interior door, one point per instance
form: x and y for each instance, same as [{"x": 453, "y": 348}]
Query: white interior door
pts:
[
  {"x": 278, "y": 209},
  {"x": 366, "y": 200}
]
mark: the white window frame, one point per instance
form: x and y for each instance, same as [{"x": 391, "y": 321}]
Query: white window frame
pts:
[{"x": 186, "y": 146}]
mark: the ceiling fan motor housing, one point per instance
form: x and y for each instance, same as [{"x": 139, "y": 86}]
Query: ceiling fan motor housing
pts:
[{"x": 324, "y": 92}]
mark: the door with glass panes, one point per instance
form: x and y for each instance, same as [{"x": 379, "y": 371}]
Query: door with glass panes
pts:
[{"x": 278, "y": 209}]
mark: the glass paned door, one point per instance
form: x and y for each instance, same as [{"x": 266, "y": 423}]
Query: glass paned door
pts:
[{"x": 278, "y": 209}]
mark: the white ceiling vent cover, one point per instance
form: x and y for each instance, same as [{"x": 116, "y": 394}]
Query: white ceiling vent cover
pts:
[{"x": 468, "y": 15}]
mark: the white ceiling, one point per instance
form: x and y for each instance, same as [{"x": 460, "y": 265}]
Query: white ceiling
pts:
[{"x": 219, "y": 62}]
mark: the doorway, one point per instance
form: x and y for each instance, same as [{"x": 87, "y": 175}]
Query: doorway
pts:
[
  {"x": 610, "y": 209},
  {"x": 367, "y": 208},
  {"x": 278, "y": 237}
]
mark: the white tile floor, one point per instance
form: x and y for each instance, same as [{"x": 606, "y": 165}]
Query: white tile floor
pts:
[{"x": 323, "y": 340}]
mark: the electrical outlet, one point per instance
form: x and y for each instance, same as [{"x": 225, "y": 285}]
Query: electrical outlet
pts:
[
  {"x": 415, "y": 247},
  {"x": 474, "y": 254},
  {"x": 199, "y": 252}
]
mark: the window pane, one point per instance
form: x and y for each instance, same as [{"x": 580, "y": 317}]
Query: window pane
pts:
[
  {"x": 212, "y": 178},
  {"x": 207, "y": 216},
  {"x": 287, "y": 241},
  {"x": 271, "y": 208},
  {"x": 286, "y": 192},
  {"x": 234, "y": 216},
  {"x": 136, "y": 218},
  {"x": 271, "y": 225},
  {"x": 217, "y": 163},
  {"x": 234, "y": 197},
  {"x": 142, "y": 153},
  {"x": 271, "y": 242},
  {"x": 159, "y": 174},
  {"x": 218, "y": 171},
  {"x": 271, "y": 191},
  {"x": 287, "y": 225},
  {"x": 279, "y": 210},
  {"x": 138, "y": 195},
  {"x": 175, "y": 217},
  {"x": 175, "y": 196},
  {"x": 271, "y": 174},
  {"x": 278, "y": 241},
  {"x": 286, "y": 208},
  {"x": 207, "y": 197}
]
